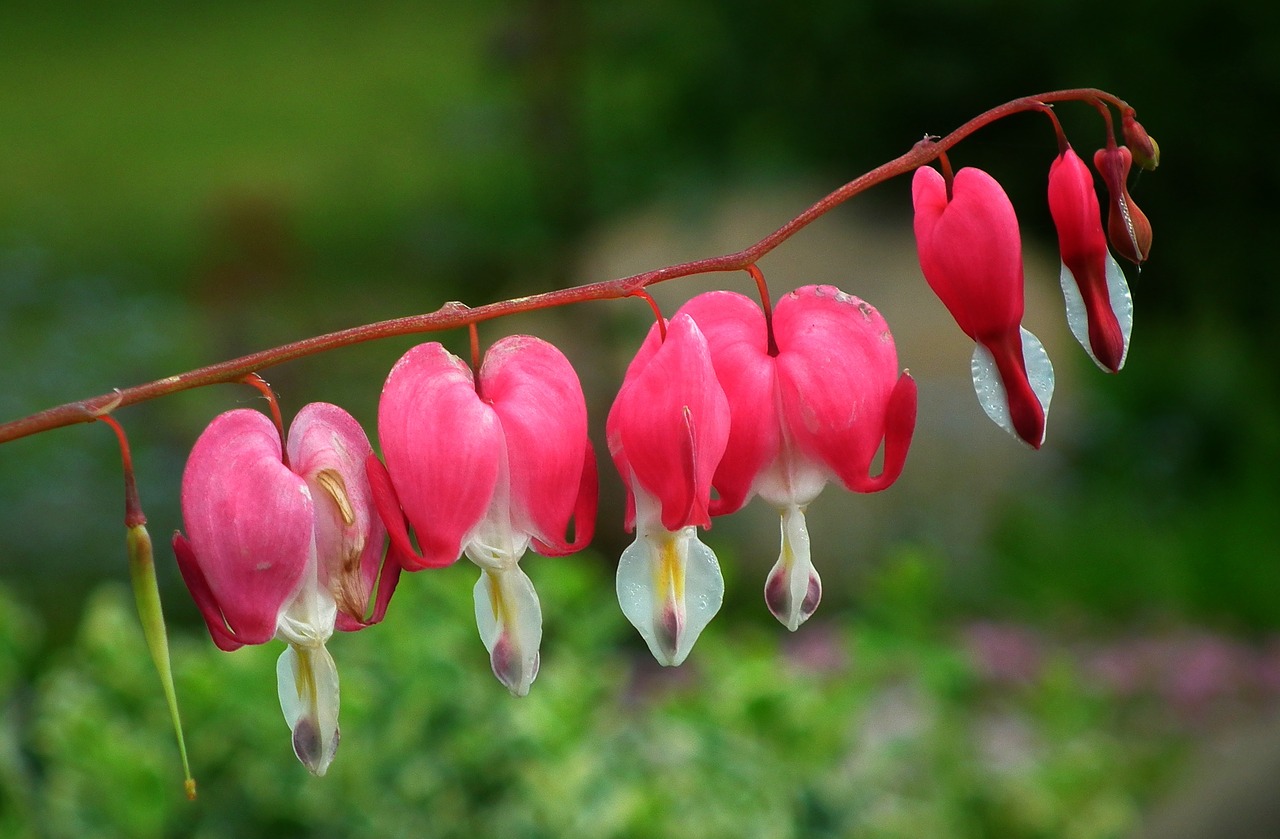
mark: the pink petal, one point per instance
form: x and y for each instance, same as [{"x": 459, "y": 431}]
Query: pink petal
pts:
[
  {"x": 248, "y": 521},
  {"x": 584, "y": 511},
  {"x": 970, "y": 249},
  {"x": 328, "y": 448},
  {"x": 536, "y": 394},
  {"x": 400, "y": 551},
  {"x": 670, "y": 423},
  {"x": 200, "y": 593},
  {"x": 838, "y": 372},
  {"x": 737, "y": 338},
  {"x": 442, "y": 446}
]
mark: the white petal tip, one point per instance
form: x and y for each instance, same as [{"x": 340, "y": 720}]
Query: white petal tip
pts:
[
  {"x": 669, "y": 586},
  {"x": 509, "y": 618},
  {"x": 1118, "y": 297},
  {"x": 991, "y": 391},
  {"x": 793, "y": 588}
]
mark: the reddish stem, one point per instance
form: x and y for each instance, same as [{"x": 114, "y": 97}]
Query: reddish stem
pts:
[
  {"x": 657, "y": 311},
  {"x": 475, "y": 356},
  {"x": 454, "y": 315},
  {"x": 133, "y": 515},
  {"x": 259, "y": 384},
  {"x": 948, "y": 175},
  {"x": 767, "y": 305}
]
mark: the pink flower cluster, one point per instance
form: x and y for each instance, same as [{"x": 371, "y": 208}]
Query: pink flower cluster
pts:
[
  {"x": 971, "y": 255},
  {"x": 294, "y": 538}
]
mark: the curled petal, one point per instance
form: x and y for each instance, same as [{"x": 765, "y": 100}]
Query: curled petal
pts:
[
  {"x": 838, "y": 379},
  {"x": 584, "y": 512},
  {"x": 193, "y": 576},
  {"x": 401, "y": 549},
  {"x": 509, "y": 618}
]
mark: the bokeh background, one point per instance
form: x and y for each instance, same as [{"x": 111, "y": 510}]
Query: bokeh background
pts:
[{"x": 1079, "y": 642}]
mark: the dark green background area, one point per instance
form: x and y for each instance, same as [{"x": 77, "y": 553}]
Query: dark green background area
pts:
[{"x": 182, "y": 183}]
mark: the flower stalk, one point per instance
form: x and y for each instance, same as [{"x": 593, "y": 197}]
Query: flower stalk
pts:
[{"x": 453, "y": 315}]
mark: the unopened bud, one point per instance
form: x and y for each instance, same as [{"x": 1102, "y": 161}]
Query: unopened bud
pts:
[
  {"x": 1127, "y": 226},
  {"x": 1146, "y": 152}
]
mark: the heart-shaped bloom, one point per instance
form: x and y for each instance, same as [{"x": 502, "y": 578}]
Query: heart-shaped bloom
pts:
[
  {"x": 286, "y": 549},
  {"x": 667, "y": 430},
  {"x": 487, "y": 465},
  {"x": 816, "y": 411},
  {"x": 971, "y": 255},
  {"x": 1099, "y": 307}
]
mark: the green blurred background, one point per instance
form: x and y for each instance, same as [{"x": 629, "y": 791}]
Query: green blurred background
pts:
[{"x": 1012, "y": 644}]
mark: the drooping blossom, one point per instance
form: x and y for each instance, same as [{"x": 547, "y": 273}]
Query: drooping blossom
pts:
[
  {"x": 286, "y": 549},
  {"x": 486, "y": 466},
  {"x": 817, "y": 410},
  {"x": 1127, "y": 226},
  {"x": 667, "y": 431},
  {"x": 1099, "y": 306},
  {"x": 971, "y": 254}
]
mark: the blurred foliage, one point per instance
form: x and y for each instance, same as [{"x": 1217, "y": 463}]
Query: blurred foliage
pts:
[
  {"x": 182, "y": 184},
  {"x": 869, "y": 728}
]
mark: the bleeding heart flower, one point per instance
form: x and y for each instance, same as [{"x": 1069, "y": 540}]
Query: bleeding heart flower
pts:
[
  {"x": 816, "y": 410},
  {"x": 1099, "y": 307},
  {"x": 667, "y": 430},
  {"x": 485, "y": 466},
  {"x": 286, "y": 549},
  {"x": 971, "y": 255}
]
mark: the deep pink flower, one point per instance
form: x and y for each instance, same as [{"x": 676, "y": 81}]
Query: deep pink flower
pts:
[
  {"x": 1099, "y": 307},
  {"x": 485, "y": 466},
  {"x": 817, "y": 411},
  {"x": 667, "y": 430},
  {"x": 285, "y": 551},
  {"x": 971, "y": 255}
]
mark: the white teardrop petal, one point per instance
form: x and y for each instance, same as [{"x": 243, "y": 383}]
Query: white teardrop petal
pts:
[
  {"x": 670, "y": 587},
  {"x": 509, "y": 618},
  {"x": 990, "y": 389},
  {"x": 1121, "y": 302},
  {"x": 1077, "y": 316},
  {"x": 1118, "y": 296},
  {"x": 307, "y": 683}
]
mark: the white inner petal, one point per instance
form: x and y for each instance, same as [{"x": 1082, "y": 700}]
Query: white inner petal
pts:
[
  {"x": 793, "y": 587},
  {"x": 307, "y": 683},
  {"x": 509, "y": 618},
  {"x": 670, "y": 587},
  {"x": 1118, "y": 296},
  {"x": 990, "y": 389}
]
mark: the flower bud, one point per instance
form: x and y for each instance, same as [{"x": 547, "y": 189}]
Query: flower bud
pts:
[
  {"x": 1146, "y": 152},
  {"x": 1127, "y": 226}
]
